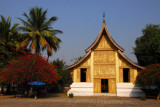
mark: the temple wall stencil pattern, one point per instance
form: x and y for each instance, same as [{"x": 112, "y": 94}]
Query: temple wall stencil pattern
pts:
[
  {"x": 104, "y": 71},
  {"x": 104, "y": 57}
]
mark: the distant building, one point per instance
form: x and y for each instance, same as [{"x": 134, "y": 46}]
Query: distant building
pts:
[{"x": 104, "y": 70}]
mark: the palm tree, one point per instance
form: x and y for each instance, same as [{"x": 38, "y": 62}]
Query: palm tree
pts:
[
  {"x": 8, "y": 44},
  {"x": 39, "y": 34}
]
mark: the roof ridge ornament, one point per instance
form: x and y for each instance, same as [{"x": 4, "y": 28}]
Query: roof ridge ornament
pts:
[{"x": 103, "y": 17}]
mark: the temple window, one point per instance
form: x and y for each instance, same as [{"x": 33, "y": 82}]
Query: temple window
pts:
[
  {"x": 83, "y": 74},
  {"x": 126, "y": 75}
]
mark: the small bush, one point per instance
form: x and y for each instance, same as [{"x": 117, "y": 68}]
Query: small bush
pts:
[
  {"x": 148, "y": 78},
  {"x": 71, "y": 95}
]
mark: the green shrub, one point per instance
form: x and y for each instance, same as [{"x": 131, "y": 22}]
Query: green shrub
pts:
[
  {"x": 149, "y": 80},
  {"x": 71, "y": 95}
]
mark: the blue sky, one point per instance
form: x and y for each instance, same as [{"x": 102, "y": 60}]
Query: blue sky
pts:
[{"x": 81, "y": 20}]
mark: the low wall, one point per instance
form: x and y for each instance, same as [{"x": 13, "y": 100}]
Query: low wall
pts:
[
  {"x": 81, "y": 89},
  {"x": 129, "y": 90}
]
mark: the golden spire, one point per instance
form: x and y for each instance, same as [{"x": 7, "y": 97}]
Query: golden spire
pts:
[{"x": 103, "y": 17}]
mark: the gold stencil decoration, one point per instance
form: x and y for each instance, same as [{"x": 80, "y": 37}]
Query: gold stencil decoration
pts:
[
  {"x": 103, "y": 43},
  {"x": 112, "y": 85},
  {"x": 97, "y": 85},
  {"x": 131, "y": 75},
  {"x": 104, "y": 57},
  {"x": 111, "y": 58},
  {"x": 86, "y": 63},
  {"x": 78, "y": 75},
  {"x": 104, "y": 71}
]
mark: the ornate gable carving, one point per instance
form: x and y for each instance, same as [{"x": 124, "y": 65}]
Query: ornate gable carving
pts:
[{"x": 103, "y": 44}]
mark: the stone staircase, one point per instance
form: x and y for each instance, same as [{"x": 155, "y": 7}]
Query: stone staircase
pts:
[
  {"x": 129, "y": 90},
  {"x": 81, "y": 89}
]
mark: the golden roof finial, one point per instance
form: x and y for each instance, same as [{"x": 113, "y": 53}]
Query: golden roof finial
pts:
[{"x": 103, "y": 16}]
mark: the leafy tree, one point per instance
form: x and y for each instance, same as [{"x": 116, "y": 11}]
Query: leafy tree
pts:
[
  {"x": 148, "y": 77},
  {"x": 8, "y": 44},
  {"x": 63, "y": 72},
  {"x": 29, "y": 68},
  {"x": 38, "y": 32},
  {"x": 147, "y": 48}
]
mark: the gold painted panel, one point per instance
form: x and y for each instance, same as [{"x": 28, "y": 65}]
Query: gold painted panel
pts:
[
  {"x": 103, "y": 71},
  {"x": 72, "y": 75},
  {"x": 86, "y": 62},
  {"x": 131, "y": 75},
  {"x": 88, "y": 75},
  {"x": 124, "y": 63},
  {"x": 121, "y": 75},
  {"x": 97, "y": 85},
  {"x": 112, "y": 85},
  {"x": 103, "y": 43},
  {"x": 78, "y": 75},
  {"x": 104, "y": 57}
]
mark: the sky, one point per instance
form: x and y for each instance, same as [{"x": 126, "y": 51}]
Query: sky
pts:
[{"x": 81, "y": 21}]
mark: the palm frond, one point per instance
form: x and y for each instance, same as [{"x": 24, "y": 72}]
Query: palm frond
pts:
[
  {"x": 39, "y": 31},
  {"x": 33, "y": 45},
  {"x": 48, "y": 23},
  {"x": 25, "y": 42},
  {"x": 25, "y": 22},
  {"x": 43, "y": 42},
  {"x": 28, "y": 18},
  {"x": 14, "y": 27},
  {"x": 25, "y": 29}
]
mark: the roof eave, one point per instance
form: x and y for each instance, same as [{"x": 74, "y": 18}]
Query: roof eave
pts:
[
  {"x": 77, "y": 63},
  {"x": 132, "y": 63}
]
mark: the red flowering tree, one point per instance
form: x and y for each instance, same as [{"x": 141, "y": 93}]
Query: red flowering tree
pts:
[
  {"x": 149, "y": 77},
  {"x": 29, "y": 68}
]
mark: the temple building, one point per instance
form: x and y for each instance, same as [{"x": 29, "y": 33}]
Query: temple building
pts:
[{"x": 104, "y": 70}]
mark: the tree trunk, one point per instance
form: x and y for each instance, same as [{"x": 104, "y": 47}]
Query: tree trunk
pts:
[
  {"x": 47, "y": 57},
  {"x": 2, "y": 90},
  {"x": 158, "y": 96},
  {"x": 8, "y": 89}
]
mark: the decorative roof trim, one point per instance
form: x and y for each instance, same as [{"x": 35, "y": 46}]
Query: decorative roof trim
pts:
[
  {"x": 77, "y": 63},
  {"x": 99, "y": 36},
  {"x": 132, "y": 63}
]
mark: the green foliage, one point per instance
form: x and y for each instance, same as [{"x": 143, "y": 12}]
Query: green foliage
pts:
[
  {"x": 38, "y": 33},
  {"x": 6, "y": 31},
  {"x": 63, "y": 72},
  {"x": 8, "y": 43},
  {"x": 147, "y": 48}
]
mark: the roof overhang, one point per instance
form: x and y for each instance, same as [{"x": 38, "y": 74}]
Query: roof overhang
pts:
[
  {"x": 77, "y": 63},
  {"x": 128, "y": 60}
]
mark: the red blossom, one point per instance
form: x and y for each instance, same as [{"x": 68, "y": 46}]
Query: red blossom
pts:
[
  {"x": 30, "y": 68},
  {"x": 149, "y": 76}
]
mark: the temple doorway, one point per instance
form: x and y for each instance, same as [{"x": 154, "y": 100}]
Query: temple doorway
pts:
[{"x": 104, "y": 85}]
